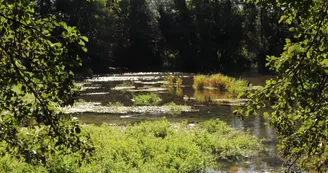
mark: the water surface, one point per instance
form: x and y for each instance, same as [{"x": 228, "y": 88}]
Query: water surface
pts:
[{"x": 121, "y": 88}]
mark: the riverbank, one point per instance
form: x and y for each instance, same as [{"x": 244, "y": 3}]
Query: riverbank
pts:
[{"x": 158, "y": 146}]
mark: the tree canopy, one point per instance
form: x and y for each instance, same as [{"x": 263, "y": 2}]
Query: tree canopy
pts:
[
  {"x": 298, "y": 96},
  {"x": 180, "y": 35},
  {"x": 37, "y": 55}
]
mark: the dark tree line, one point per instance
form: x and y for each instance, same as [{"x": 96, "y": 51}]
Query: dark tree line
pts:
[{"x": 181, "y": 35}]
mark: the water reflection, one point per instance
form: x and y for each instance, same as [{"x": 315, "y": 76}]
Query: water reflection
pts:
[{"x": 210, "y": 95}]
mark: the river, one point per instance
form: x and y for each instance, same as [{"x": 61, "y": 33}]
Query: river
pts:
[{"x": 121, "y": 88}]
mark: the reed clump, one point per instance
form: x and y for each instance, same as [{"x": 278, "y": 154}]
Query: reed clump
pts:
[{"x": 220, "y": 82}]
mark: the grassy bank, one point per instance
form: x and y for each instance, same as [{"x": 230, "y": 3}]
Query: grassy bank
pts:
[
  {"x": 158, "y": 146},
  {"x": 220, "y": 82}
]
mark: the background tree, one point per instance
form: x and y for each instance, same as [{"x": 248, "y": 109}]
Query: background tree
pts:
[
  {"x": 298, "y": 97},
  {"x": 36, "y": 58}
]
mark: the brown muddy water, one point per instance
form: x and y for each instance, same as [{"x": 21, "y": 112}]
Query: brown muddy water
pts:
[{"x": 121, "y": 88}]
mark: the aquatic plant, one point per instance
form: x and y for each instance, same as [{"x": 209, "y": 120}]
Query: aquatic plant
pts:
[
  {"x": 200, "y": 82},
  {"x": 158, "y": 146},
  {"x": 174, "y": 108},
  {"x": 169, "y": 79},
  {"x": 146, "y": 99},
  {"x": 221, "y": 82},
  {"x": 238, "y": 86}
]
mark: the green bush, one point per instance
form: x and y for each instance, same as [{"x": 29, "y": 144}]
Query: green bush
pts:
[
  {"x": 238, "y": 86},
  {"x": 158, "y": 146},
  {"x": 146, "y": 99}
]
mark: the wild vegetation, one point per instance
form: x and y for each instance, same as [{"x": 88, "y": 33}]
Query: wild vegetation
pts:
[
  {"x": 220, "y": 82},
  {"x": 298, "y": 96},
  {"x": 146, "y": 99},
  {"x": 158, "y": 146},
  {"x": 42, "y": 43},
  {"x": 178, "y": 35},
  {"x": 37, "y": 56}
]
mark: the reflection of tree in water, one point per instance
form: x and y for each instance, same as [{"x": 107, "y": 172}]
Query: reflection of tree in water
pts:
[
  {"x": 175, "y": 91},
  {"x": 178, "y": 91}
]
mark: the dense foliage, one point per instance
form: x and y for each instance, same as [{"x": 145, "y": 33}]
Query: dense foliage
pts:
[
  {"x": 298, "y": 97},
  {"x": 36, "y": 59},
  {"x": 183, "y": 35},
  {"x": 158, "y": 146}
]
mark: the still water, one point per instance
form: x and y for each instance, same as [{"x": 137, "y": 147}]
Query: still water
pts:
[{"x": 121, "y": 88}]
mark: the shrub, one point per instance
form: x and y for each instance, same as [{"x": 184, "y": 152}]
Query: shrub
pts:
[
  {"x": 158, "y": 146},
  {"x": 146, "y": 99},
  {"x": 238, "y": 86}
]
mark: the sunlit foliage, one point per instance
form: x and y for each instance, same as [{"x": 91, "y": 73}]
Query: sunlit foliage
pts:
[
  {"x": 36, "y": 59},
  {"x": 298, "y": 97}
]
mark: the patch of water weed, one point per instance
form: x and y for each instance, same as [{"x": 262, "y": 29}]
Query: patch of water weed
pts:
[
  {"x": 174, "y": 108},
  {"x": 158, "y": 146},
  {"x": 146, "y": 99}
]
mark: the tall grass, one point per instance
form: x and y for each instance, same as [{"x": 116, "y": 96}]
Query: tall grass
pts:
[
  {"x": 221, "y": 82},
  {"x": 200, "y": 81}
]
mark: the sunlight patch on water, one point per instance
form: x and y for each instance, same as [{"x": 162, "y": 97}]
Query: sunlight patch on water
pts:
[
  {"x": 118, "y": 88},
  {"x": 97, "y": 93},
  {"x": 97, "y": 108},
  {"x": 89, "y": 88},
  {"x": 150, "y": 83},
  {"x": 147, "y": 89},
  {"x": 122, "y": 78}
]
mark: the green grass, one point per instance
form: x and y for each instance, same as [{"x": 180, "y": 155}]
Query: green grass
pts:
[
  {"x": 158, "y": 146},
  {"x": 146, "y": 99}
]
